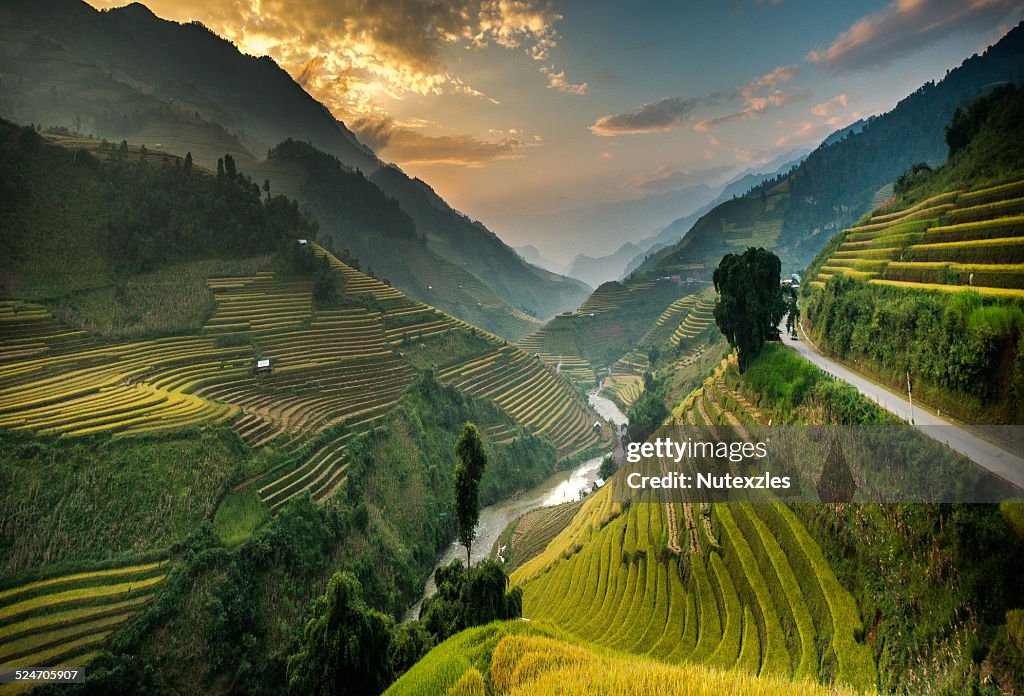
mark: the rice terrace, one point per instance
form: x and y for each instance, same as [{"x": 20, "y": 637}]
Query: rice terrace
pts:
[{"x": 488, "y": 349}]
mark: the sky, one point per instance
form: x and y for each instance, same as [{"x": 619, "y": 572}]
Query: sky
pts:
[{"x": 517, "y": 111}]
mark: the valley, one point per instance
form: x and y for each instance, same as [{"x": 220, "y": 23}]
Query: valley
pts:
[{"x": 277, "y": 417}]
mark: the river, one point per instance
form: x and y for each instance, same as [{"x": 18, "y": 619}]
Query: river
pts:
[{"x": 563, "y": 487}]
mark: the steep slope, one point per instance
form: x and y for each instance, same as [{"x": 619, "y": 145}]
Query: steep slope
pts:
[
  {"x": 138, "y": 77},
  {"x": 468, "y": 243},
  {"x": 772, "y": 588},
  {"x": 519, "y": 659},
  {"x": 357, "y": 216},
  {"x": 930, "y": 285},
  {"x": 836, "y": 183},
  {"x": 159, "y": 420},
  {"x": 734, "y": 586}
]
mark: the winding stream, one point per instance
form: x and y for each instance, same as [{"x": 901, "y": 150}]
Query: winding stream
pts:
[{"x": 563, "y": 487}]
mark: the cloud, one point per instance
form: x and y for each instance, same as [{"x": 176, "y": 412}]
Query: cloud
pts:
[
  {"x": 657, "y": 117},
  {"x": 350, "y": 53},
  {"x": 757, "y": 102},
  {"x": 408, "y": 146},
  {"x": 827, "y": 108},
  {"x": 770, "y": 81},
  {"x": 672, "y": 112},
  {"x": 905, "y": 26},
  {"x": 805, "y": 132},
  {"x": 556, "y": 80}
]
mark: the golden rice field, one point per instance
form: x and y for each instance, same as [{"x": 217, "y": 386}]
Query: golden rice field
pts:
[
  {"x": 733, "y": 586},
  {"x": 949, "y": 242},
  {"x": 530, "y": 393},
  {"x": 64, "y": 620},
  {"x": 697, "y": 320},
  {"x": 329, "y": 367},
  {"x": 531, "y": 658}
]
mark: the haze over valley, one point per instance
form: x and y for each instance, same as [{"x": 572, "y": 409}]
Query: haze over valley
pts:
[{"x": 339, "y": 341}]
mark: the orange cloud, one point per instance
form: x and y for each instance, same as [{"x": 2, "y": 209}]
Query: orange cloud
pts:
[
  {"x": 350, "y": 53},
  {"x": 402, "y": 143},
  {"x": 829, "y": 107},
  {"x": 905, "y": 26}
]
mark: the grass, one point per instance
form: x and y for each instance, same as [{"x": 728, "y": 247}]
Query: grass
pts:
[
  {"x": 239, "y": 515},
  {"x": 127, "y": 495},
  {"x": 173, "y": 300}
]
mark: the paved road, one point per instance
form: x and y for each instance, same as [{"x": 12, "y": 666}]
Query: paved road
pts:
[{"x": 1006, "y": 465}]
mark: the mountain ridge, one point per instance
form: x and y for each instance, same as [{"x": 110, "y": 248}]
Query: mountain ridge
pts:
[{"x": 148, "y": 80}]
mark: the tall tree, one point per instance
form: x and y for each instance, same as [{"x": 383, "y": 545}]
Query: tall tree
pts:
[
  {"x": 468, "y": 472},
  {"x": 346, "y": 646},
  {"x": 188, "y": 163},
  {"x": 750, "y": 304}
]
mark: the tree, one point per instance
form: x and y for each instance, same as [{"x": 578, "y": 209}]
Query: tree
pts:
[
  {"x": 266, "y": 188},
  {"x": 468, "y": 472},
  {"x": 188, "y": 163},
  {"x": 608, "y": 467},
  {"x": 345, "y": 647},
  {"x": 325, "y": 284},
  {"x": 229, "y": 167},
  {"x": 410, "y": 643},
  {"x": 750, "y": 304},
  {"x": 445, "y": 613}
]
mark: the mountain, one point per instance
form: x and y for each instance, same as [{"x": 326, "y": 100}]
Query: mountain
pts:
[
  {"x": 596, "y": 271},
  {"x": 532, "y": 255},
  {"x": 356, "y": 216},
  {"x": 179, "y": 87},
  {"x": 737, "y": 186},
  {"x": 796, "y": 214},
  {"x": 601, "y": 228}
]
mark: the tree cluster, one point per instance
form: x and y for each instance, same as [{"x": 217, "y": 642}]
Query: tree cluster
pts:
[
  {"x": 750, "y": 301},
  {"x": 175, "y": 212}
]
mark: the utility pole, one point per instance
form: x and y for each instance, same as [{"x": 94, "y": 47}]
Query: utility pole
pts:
[{"x": 910, "y": 396}]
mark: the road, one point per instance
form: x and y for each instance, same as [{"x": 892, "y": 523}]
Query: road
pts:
[{"x": 1006, "y": 465}]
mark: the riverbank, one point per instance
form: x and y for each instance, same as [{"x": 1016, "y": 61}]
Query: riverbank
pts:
[{"x": 563, "y": 487}]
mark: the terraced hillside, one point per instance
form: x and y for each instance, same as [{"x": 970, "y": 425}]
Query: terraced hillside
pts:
[
  {"x": 734, "y": 586},
  {"x": 520, "y": 659},
  {"x": 949, "y": 242},
  {"x": 532, "y": 394},
  {"x": 62, "y": 621},
  {"x": 753, "y": 220},
  {"x": 681, "y": 322},
  {"x": 335, "y": 372},
  {"x": 610, "y": 324}
]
